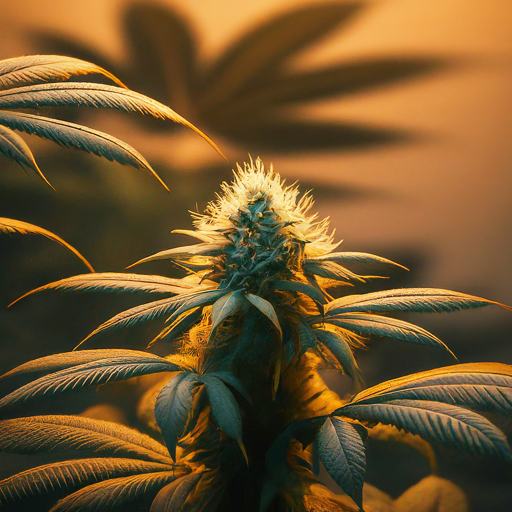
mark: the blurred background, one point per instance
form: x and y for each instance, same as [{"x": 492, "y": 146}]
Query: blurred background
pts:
[{"x": 397, "y": 114}]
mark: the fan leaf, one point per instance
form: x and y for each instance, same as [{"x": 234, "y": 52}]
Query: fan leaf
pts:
[
  {"x": 173, "y": 408},
  {"x": 341, "y": 451},
  {"x": 313, "y": 293},
  {"x": 223, "y": 308},
  {"x": 330, "y": 270},
  {"x": 35, "y": 69},
  {"x": 95, "y": 96},
  {"x": 88, "y": 375},
  {"x": 70, "y": 135},
  {"x": 267, "y": 309},
  {"x": 18, "y": 226},
  {"x": 448, "y": 425},
  {"x": 117, "y": 493},
  {"x": 37, "y": 434},
  {"x": 172, "y": 497},
  {"x": 63, "y": 477},
  {"x": 354, "y": 257},
  {"x": 414, "y": 300}
]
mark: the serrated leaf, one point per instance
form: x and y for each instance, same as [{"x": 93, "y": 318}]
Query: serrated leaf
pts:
[
  {"x": 224, "y": 307},
  {"x": 111, "y": 281},
  {"x": 92, "y": 95},
  {"x": 64, "y": 360},
  {"x": 330, "y": 270},
  {"x": 341, "y": 451},
  {"x": 307, "y": 338},
  {"x": 34, "y": 69},
  {"x": 415, "y": 300},
  {"x": 341, "y": 350},
  {"x": 224, "y": 409},
  {"x": 173, "y": 408},
  {"x": 186, "y": 252},
  {"x": 354, "y": 257},
  {"x": 117, "y": 493},
  {"x": 37, "y": 434},
  {"x": 228, "y": 378},
  {"x": 172, "y": 497},
  {"x": 88, "y": 375},
  {"x": 175, "y": 305},
  {"x": 70, "y": 135},
  {"x": 18, "y": 226},
  {"x": 63, "y": 477},
  {"x": 367, "y": 324},
  {"x": 181, "y": 324},
  {"x": 266, "y": 308},
  {"x": 313, "y": 293},
  {"x": 448, "y": 425},
  {"x": 469, "y": 385},
  {"x": 15, "y": 148}
]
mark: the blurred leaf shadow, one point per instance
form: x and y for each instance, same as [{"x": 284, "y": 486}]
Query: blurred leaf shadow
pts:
[{"x": 248, "y": 94}]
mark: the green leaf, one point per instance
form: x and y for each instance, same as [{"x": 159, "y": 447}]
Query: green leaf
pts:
[
  {"x": 117, "y": 493},
  {"x": 92, "y": 95},
  {"x": 64, "y": 360},
  {"x": 63, "y": 477},
  {"x": 37, "y": 434},
  {"x": 313, "y": 293},
  {"x": 267, "y": 309},
  {"x": 15, "y": 148},
  {"x": 18, "y": 226},
  {"x": 70, "y": 135},
  {"x": 111, "y": 281},
  {"x": 341, "y": 451},
  {"x": 307, "y": 338},
  {"x": 173, "y": 408},
  {"x": 223, "y": 308},
  {"x": 229, "y": 379},
  {"x": 354, "y": 257},
  {"x": 181, "y": 324},
  {"x": 224, "y": 409},
  {"x": 468, "y": 385},
  {"x": 341, "y": 350},
  {"x": 440, "y": 423},
  {"x": 34, "y": 69},
  {"x": 415, "y": 300},
  {"x": 186, "y": 252},
  {"x": 172, "y": 497},
  {"x": 175, "y": 305},
  {"x": 89, "y": 375},
  {"x": 366, "y": 324}
]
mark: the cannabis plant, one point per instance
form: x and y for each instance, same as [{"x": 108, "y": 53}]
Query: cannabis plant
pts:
[{"x": 244, "y": 419}]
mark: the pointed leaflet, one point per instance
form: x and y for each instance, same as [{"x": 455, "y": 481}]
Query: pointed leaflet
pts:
[
  {"x": 226, "y": 306},
  {"x": 181, "y": 324},
  {"x": 448, "y": 425},
  {"x": 295, "y": 286},
  {"x": 111, "y": 281},
  {"x": 341, "y": 451},
  {"x": 266, "y": 308},
  {"x": 224, "y": 409},
  {"x": 118, "y": 493},
  {"x": 64, "y": 360},
  {"x": 92, "y": 95},
  {"x": 366, "y": 324},
  {"x": 186, "y": 252},
  {"x": 175, "y": 305},
  {"x": 354, "y": 257},
  {"x": 88, "y": 375},
  {"x": 172, "y": 498},
  {"x": 18, "y": 226},
  {"x": 200, "y": 235},
  {"x": 63, "y": 477},
  {"x": 229, "y": 379},
  {"x": 416, "y": 300},
  {"x": 38, "y": 434},
  {"x": 469, "y": 385},
  {"x": 330, "y": 270},
  {"x": 70, "y": 135},
  {"x": 34, "y": 69},
  {"x": 341, "y": 350},
  {"x": 15, "y": 148},
  {"x": 173, "y": 408}
]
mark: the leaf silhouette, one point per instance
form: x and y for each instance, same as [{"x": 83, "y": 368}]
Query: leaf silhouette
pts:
[
  {"x": 70, "y": 135},
  {"x": 341, "y": 451},
  {"x": 88, "y": 375},
  {"x": 173, "y": 408},
  {"x": 354, "y": 257},
  {"x": 33, "y": 69},
  {"x": 38, "y": 434},
  {"x": 116, "y": 493},
  {"x": 18, "y": 226},
  {"x": 449, "y": 425},
  {"x": 172, "y": 497},
  {"x": 63, "y": 477}
]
